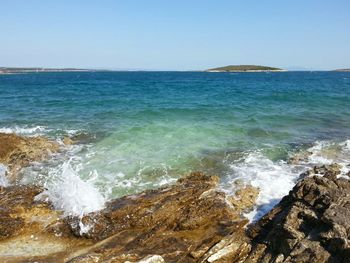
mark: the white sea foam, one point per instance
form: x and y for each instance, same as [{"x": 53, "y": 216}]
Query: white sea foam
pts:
[
  {"x": 276, "y": 179},
  {"x": 3, "y": 180},
  {"x": 69, "y": 193},
  {"x": 37, "y": 130}
]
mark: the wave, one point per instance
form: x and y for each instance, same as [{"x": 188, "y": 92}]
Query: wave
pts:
[
  {"x": 71, "y": 194},
  {"x": 275, "y": 179},
  {"x": 25, "y": 130}
]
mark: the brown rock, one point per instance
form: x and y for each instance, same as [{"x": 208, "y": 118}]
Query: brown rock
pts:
[
  {"x": 328, "y": 170},
  {"x": 299, "y": 157},
  {"x": 179, "y": 223},
  {"x": 17, "y": 152},
  {"x": 31, "y": 230},
  {"x": 190, "y": 221},
  {"x": 311, "y": 224},
  {"x": 67, "y": 141}
]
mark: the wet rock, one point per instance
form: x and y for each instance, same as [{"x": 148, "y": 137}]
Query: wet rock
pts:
[
  {"x": 244, "y": 198},
  {"x": 17, "y": 152},
  {"x": 190, "y": 221},
  {"x": 67, "y": 141},
  {"x": 329, "y": 170},
  {"x": 31, "y": 230},
  {"x": 300, "y": 157},
  {"x": 311, "y": 224},
  {"x": 180, "y": 223}
]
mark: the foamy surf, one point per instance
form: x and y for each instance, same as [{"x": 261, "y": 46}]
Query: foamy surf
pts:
[
  {"x": 25, "y": 130},
  {"x": 70, "y": 194},
  {"x": 275, "y": 179},
  {"x": 3, "y": 180}
]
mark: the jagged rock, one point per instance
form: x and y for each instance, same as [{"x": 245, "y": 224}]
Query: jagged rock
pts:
[
  {"x": 311, "y": 224},
  {"x": 17, "y": 152},
  {"x": 181, "y": 222},
  {"x": 31, "y": 230},
  {"x": 330, "y": 170}
]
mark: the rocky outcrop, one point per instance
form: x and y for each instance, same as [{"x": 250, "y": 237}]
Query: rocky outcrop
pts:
[
  {"x": 190, "y": 221},
  {"x": 17, "y": 152},
  {"x": 31, "y": 230},
  {"x": 311, "y": 224},
  {"x": 180, "y": 223}
]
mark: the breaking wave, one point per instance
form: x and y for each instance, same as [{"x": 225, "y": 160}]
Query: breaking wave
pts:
[
  {"x": 275, "y": 179},
  {"x": 71, "y": 194}
]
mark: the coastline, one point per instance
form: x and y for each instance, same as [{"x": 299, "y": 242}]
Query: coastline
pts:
[{"x": 192, "y": 217}]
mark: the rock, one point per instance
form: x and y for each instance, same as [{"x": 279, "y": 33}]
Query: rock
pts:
[
  {"x": 244, "y": 198},
  {"x": 150, "y": 259},
  {"x": 329, "y": 170},
  {"x": 31, "y": 230},
  {"x": 179, "y": 223},
  {"x": 311, "y": 224},
  {"x": 186, "y": 222},
  {"x": 67, "y": 141},
  {"x": 17, "y": 152},
  {"x": 300, "y": 157}
]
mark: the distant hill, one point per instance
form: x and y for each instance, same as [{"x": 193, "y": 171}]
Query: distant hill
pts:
[
  {"x": 5, "y": 70},
  {"x": 343, "y": 70},
  {"x": 244, "y": 68}
]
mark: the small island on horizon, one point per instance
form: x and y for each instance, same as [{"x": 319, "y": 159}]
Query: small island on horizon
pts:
[
  {"x": 343, "y": 70},
  {"x": 244, "y": 68}
]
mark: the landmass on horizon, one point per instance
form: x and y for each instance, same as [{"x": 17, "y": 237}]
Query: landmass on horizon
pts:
[
  {"x": 343, "y": 70},
  {"x": 244, "y": 68}
]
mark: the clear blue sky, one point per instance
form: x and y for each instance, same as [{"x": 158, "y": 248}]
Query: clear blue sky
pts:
[{"x": 174, "y": 35}]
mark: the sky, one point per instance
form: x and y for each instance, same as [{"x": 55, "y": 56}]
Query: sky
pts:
[{"x": 175, "y": 35}]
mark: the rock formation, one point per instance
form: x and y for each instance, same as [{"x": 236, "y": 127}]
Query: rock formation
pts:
[
  {"x": 189, "y": 221},
  {"x": 311, "y": 224},
  {"x": 17, "y": 152}
]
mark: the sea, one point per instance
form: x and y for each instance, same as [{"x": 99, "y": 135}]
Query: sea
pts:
[{"x": 144, "y": 130}]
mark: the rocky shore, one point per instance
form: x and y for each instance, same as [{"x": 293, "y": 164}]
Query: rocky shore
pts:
[{"x": 190, "y": 221}]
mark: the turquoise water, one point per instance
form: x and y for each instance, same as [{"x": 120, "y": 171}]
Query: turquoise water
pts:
[{"x": 139, "y": 130}]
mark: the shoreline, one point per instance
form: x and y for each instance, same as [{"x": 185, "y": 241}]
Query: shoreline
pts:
[{"x": 204, "y": 223}]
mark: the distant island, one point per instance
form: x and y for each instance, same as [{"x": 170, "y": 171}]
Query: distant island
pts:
[
  {"x": 6, "y": 70},
  {"x": 343, "y": 70},
  {"x": 244, "y": 68}
]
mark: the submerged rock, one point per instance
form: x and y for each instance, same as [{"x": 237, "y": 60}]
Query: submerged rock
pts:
[{"x": 17, "y": 152}]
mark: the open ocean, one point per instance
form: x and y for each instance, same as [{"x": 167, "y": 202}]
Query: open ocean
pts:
[{"x": 142, "y": 130}]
